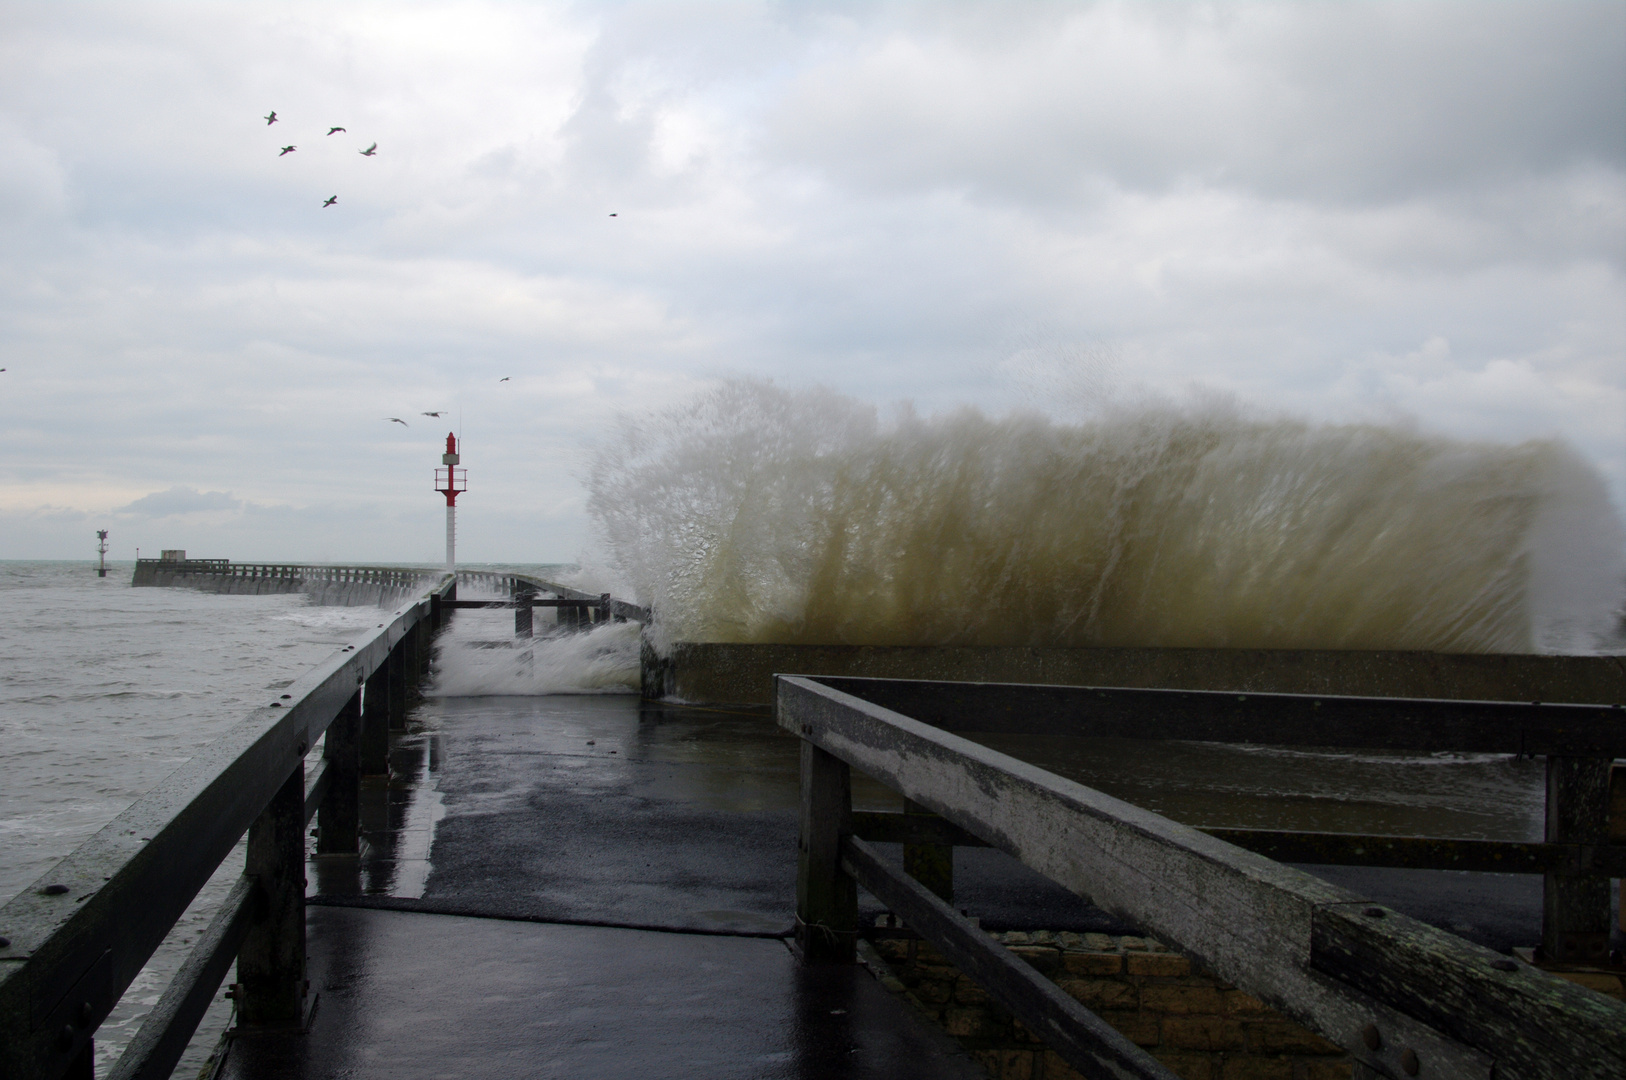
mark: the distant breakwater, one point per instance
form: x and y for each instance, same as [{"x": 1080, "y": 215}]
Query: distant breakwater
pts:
[{"x": 339, "y": 586}]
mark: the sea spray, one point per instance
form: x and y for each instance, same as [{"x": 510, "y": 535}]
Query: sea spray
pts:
[
  {"x": 757, "y": 514},
  {"x": 474, "y": 660}
]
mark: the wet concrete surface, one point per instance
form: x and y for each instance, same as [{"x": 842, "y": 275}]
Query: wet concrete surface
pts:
[
  {"x": 585, "y": 886},
  {"x": 599, "y": 810},
  {"x": 403, "y": 995}
]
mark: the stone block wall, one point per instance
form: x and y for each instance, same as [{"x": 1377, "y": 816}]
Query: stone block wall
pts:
[{"x": 1201, "y": 1027}]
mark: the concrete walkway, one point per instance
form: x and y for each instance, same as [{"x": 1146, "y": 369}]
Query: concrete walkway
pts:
[
  {"x": 580, "y": 886},
  {"x": 406, "y": 995}
]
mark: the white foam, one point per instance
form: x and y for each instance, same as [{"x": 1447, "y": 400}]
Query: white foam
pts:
[{"x": 472, "y": 660}]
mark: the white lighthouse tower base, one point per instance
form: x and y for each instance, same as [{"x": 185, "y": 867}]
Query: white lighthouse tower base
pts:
[{"x": 451, "y": 539}]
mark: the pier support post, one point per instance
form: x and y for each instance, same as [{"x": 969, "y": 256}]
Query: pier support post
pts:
[
  {"x": 338, "y": 823},
  {"x": 524, "y": 609},
  {"x": 410, "y": 677},
  {"x": 1575, "y": 904},
  {"x": 271, "y": 961},
  {"x": 375, "y": 723},
  {"x": 826, "y": 896},
  {"x": 930, "y": 864},
  {"x": 398, "y": 682},
  {"x": 425, "y": 632}
]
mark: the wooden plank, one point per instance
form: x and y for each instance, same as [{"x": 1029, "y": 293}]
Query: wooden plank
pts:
[
  {"x": 1315, "y": 848},
  {"x": 1426, "y": 852},
  {"x": 164, "y": 1034},
  {"x": 339, "y": 829},
  {"x": 271, "y": 958},
  {"x": 1540, "y": 1026},
  {"x": 317, "y": 783},
  {"x": 1088, "y": 1043},
  {"x": 1528, "y": 728},
  {"x": 1575, "y": 903},
  {"x": 1243, "y": 916},
  {"x": 879, "y": 827},
  {"x": 826, "y": 897},
  {"x": 930, "y": 863}
]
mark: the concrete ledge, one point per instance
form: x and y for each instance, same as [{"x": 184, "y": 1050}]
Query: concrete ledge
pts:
[{"x": 707, "y": 672}]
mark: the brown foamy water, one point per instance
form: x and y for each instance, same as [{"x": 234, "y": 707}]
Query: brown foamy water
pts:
[{"x": 755, "y": 514}]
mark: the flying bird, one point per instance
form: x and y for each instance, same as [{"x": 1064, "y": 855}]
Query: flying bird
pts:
[
  {"x": 420, "y": 414},
  {"x": 370, "y": 151},
  {"x": 331, "y": 130},
  {"x": 288, "y": 150},
  {"x": 397, "y": 420},
  {"x": 331, "y": 200},
  {"x": 269, "y": 120},
  {"x": 503, "y": 379},
  {"x": 615, "y": 215}
]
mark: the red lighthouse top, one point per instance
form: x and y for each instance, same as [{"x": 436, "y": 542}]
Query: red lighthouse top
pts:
[{"x": 451, "y": 481}]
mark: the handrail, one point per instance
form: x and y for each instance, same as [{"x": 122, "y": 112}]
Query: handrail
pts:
[
  {"x": 79, "y": 935},
  {"x": 1398, "y": 995}
]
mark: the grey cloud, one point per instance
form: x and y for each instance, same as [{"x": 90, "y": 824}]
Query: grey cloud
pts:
[
  {"x": 1354, "y": 101},
  {"x": 180, "y": 500}
]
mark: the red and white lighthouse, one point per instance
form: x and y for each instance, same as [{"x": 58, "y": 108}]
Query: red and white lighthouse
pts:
[{"x": 451, "y": 482}]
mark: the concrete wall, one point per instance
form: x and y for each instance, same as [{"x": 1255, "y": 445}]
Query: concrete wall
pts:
[
  {"x": 744, "y": 673},
  {"x": 326, "y": 593}
]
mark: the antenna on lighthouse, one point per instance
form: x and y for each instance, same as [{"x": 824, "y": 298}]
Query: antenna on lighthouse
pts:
[{"x": 451, "y": 482}]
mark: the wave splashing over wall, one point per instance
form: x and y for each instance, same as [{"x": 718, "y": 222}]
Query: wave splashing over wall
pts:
[{"x": 755, "y": 514}]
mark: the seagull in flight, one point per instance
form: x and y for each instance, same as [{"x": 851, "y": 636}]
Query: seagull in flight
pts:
[
  {"x": 288, "y": 150},
  {"x": 331, "y": 130},
  {"x": 370, "y": 151},
  {"x": 434, "y": 414},
  {"x": 269, "y": 120},
  {"x": 331, "y": 200},
  {"x": 503, "y": 379},
  {"x": 397, "y": 420},
  {"x": 615, "y": 215}
]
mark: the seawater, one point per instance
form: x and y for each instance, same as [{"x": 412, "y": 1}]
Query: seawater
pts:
[{"x": 759, "y": 514}]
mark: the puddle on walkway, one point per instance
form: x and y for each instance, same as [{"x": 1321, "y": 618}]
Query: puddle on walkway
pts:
[{"x": 399, "y": 815}]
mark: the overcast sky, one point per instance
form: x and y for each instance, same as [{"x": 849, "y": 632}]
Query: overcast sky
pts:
[{"x": 1410, "y": 213}]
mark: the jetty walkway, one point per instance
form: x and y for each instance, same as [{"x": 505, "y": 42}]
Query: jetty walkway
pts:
[{"x": 603, "y": 886}]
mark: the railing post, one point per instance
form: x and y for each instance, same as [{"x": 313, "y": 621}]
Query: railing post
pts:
[
  {"x": 423, "y": 632},
  {"x": 397, "y": 679},
  {"x": 524, "y": 610},
  {"x": 1617, "y": 823},
  {"x": 826, "y": 896},
  {"x": 271, "y": 961},
  {"x": 338, "y": 822},
  {"x": 409, "y": 660},
  {"x": 375, "y": 723},
  {"x": 1575, "y": 904},
  {"x": 930, "y": 864}
]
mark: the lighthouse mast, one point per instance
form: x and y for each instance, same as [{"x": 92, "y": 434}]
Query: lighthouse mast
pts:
[{"x": 451, "y": 482}]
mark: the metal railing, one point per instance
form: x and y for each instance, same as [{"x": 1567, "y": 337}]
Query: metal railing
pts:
[
  {"x": 71, "y": 943},
  {"x": 1403, "y": 998}
]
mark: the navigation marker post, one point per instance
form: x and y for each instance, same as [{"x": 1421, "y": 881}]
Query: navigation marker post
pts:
[
  {"x": 451, "y": 482},
  {"x": 101, "y": 551}
]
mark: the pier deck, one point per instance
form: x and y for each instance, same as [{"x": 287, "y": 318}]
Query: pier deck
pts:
[
  {"x": 585, "y": 886},
  {"x": 572, "y": 886}
]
